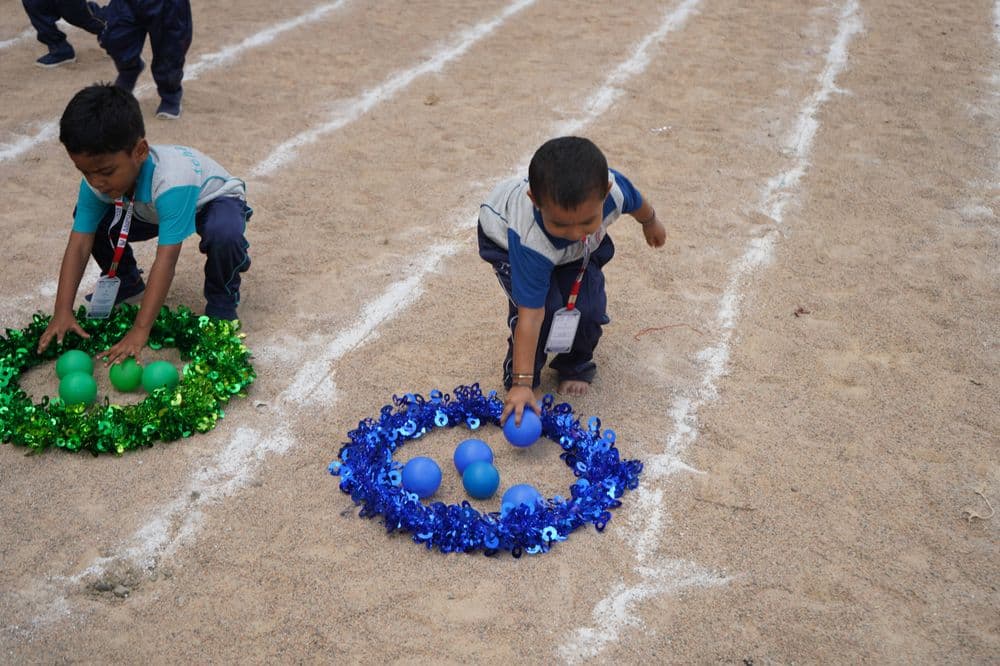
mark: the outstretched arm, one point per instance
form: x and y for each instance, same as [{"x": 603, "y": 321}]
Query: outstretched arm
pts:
[
  {"x": 652, "y": 228},
  {"x": 70, "y": 273},
  {"x": 161, "y": 274},
  {"x": 526, "y": 332}
]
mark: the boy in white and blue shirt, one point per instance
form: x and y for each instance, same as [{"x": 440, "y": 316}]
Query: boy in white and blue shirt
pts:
[
  {"x": 542, "y": 235},
  {"x": 172, "y": 192}
]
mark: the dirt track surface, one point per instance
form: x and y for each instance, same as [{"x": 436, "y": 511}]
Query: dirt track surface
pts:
[{"x": 809, "y": 369}]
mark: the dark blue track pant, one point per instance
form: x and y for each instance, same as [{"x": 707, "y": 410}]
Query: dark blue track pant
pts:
[
  {"x": 592, "y": 303},
  {"x": 170, "y": 28},
  {"x": 43, "y": 15},
  {"x": 221, "y": 224}
]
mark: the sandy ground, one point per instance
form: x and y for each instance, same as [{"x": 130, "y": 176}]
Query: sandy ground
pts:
[{"x": 816, "y": 407}]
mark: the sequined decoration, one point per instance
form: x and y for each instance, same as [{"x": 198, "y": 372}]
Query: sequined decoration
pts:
[
  {"x": 371, "y": 477},
  {"x": 217, "y": 368}
]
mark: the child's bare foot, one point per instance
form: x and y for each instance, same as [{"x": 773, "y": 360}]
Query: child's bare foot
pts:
[{"x": 573, "y": 387}]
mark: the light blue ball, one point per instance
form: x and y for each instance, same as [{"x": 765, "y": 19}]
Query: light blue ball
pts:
[
  {"x": 470, "y": 451},
  {"x": 525, "y": 434},
  {"x": 522, "y": 493},
  {"x": 421, "y": 476},
  {"x": 481, "y": 479}
]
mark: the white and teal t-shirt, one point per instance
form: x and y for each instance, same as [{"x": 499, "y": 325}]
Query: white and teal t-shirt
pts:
[
  {"x": 174, "y": 183},
  {"x": 510, "y": 219}
]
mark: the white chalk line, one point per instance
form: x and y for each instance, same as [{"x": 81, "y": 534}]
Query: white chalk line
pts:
[
  {"x": 616, "y": 612},
  {"x": 22, "y": 37},
  {"x": 979, "y": 210},
  {"x": 612, "y": 90},
  {"x": 161, "y": 536},
  {"x": 207, "y": 62},
  {"x": 347, "y": 111},
  {"x": 616, "y": 609},
  {"x": 28, "y": 33}
]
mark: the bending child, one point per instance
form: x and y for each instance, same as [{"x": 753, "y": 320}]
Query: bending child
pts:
[
  {"x": 169, "y": 192},
  {"x": 546, "y": 238}
]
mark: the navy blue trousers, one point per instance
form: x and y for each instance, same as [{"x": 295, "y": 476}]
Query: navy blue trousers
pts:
[
  {"x": 43, "y": 15},
  {"x": 170, "y": 28},
  {"x": 221, "y": 224},
  {"x": 578, "y": 363}
]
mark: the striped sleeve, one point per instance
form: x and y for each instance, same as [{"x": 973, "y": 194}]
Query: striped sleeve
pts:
[
  {"x": 176, "y": 209},
  {"x": 632, "y": 197}
]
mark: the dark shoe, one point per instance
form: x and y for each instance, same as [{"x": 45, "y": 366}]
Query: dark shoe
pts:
[
  {"x": 60, "y": 56},
  {"x": 169, "y": 109},
  {"x": 128, "y": 76}
]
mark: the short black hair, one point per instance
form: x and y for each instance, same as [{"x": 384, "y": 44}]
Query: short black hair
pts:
[
  {"x": 100, "y": 119},
  {"x": 567, "y": 171}
]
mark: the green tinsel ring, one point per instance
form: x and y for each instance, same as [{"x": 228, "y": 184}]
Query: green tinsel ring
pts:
[{"x": 218, "y": 368}]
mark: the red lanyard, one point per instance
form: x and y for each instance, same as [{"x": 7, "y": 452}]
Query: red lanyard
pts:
[
  {"x": 575, "y": 290},
  {"x": 122, "y": 235}
]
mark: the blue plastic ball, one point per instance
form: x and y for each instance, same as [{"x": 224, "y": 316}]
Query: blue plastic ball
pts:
[
  {"x": 481, "y": 479},
  {"x": 470, "y": 451},
  {"x": 522, "y": 493},
  {"x": 421, "y": 476},
  {"x": 527, "y": 433}
]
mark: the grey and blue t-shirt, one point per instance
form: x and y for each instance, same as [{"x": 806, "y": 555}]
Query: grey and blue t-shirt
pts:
[
  {"x": 510, "y": 219},
  {"x": 174, "y": 183}
]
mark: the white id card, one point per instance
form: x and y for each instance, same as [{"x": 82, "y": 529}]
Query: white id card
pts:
[
  {"x": 563, "y": 331},
  {"x": 103, "y": 300}
]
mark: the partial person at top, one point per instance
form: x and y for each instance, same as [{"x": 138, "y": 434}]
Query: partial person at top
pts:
[
  {"x": 170, "y": 28},
  {"x": 121, "y": 27},
  {"x": 43, "y": 15}
]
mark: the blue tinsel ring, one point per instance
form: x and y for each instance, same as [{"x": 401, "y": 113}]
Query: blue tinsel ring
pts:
[{"x": 372, "y": 478}]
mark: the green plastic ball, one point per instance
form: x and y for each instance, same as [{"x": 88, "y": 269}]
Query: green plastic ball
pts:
[
  {"x": 78, "y": 388},
  {"x": 159, "y": 373},
  {"x": 74, "y": 361},
  {"x": 126, "y": 375}
]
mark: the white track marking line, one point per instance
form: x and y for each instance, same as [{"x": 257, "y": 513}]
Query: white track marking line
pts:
[
  {"x": 347, "y": 111},
  {"x": 24, "y": 36},
  {"x": 159, "y": 536},
  {"x": 207, "y": 62},
  {"x": 605, "y": 98},
  {"x": 616, "y": 611},
  {"x": 28, "y": 33}
]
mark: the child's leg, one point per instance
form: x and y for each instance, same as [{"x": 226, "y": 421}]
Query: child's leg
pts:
[
  {"x": 82, "y": 14},
  {"x": 43, "y": 15},
  {"x": 105, "y": 239},
  {"x": 123, "y": 39},
  {"x": 170, "y": 31},
  {"x": 578, "y": 365},
  {"x": 221, "y": 225}
]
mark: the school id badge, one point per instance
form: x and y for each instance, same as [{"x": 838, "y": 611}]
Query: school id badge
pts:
[
  {"x": 103, "y": 299},
  {"x": 563, "y": 331}
]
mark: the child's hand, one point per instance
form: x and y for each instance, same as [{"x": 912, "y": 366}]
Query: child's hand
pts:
[
  {"x": 655, "y": 233},
  {"x": 130, "y": 345},
  {"x": 518, "y": 398},
  {"x": 61, "y": 324}
]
